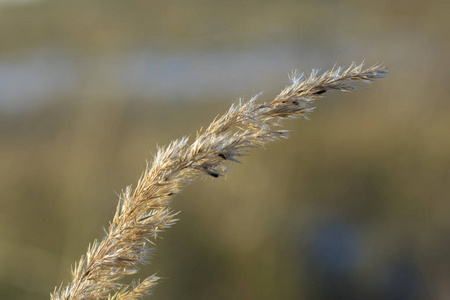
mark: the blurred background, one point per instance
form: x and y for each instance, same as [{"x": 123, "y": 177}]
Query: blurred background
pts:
[{"x": 355, "y": 205}]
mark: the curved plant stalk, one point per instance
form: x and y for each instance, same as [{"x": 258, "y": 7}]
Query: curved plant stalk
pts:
[{"x": 144, "y": 212}]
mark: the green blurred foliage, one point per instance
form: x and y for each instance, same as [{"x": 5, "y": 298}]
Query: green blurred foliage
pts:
[{"x": 369, "y": 170}]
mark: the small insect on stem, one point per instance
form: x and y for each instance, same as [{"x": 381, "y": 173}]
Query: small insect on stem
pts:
[
  {"x": 124, "y": 259},
  {"x": 210, "y": 172},
  {"x": 144, "y": 218},
  {"x": 319, "y": 92}
]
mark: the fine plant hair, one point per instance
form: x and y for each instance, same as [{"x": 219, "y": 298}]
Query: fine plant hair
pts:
[{"x": 143, "y": 212}]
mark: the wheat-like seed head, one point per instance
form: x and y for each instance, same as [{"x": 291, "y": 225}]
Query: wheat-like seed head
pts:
[{"x": 144, "y": 212}]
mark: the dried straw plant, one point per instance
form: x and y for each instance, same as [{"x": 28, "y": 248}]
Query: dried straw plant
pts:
[{"x": 144, "y": 212}]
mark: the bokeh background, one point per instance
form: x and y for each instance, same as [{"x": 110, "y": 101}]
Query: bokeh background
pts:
[{"x": 355, "y": 205}]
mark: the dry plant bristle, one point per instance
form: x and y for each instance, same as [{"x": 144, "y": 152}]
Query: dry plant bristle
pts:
[{"x": 144, "y": 212}]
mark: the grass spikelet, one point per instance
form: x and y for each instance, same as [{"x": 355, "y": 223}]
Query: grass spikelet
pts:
[{"x": 143, "y": 213}]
